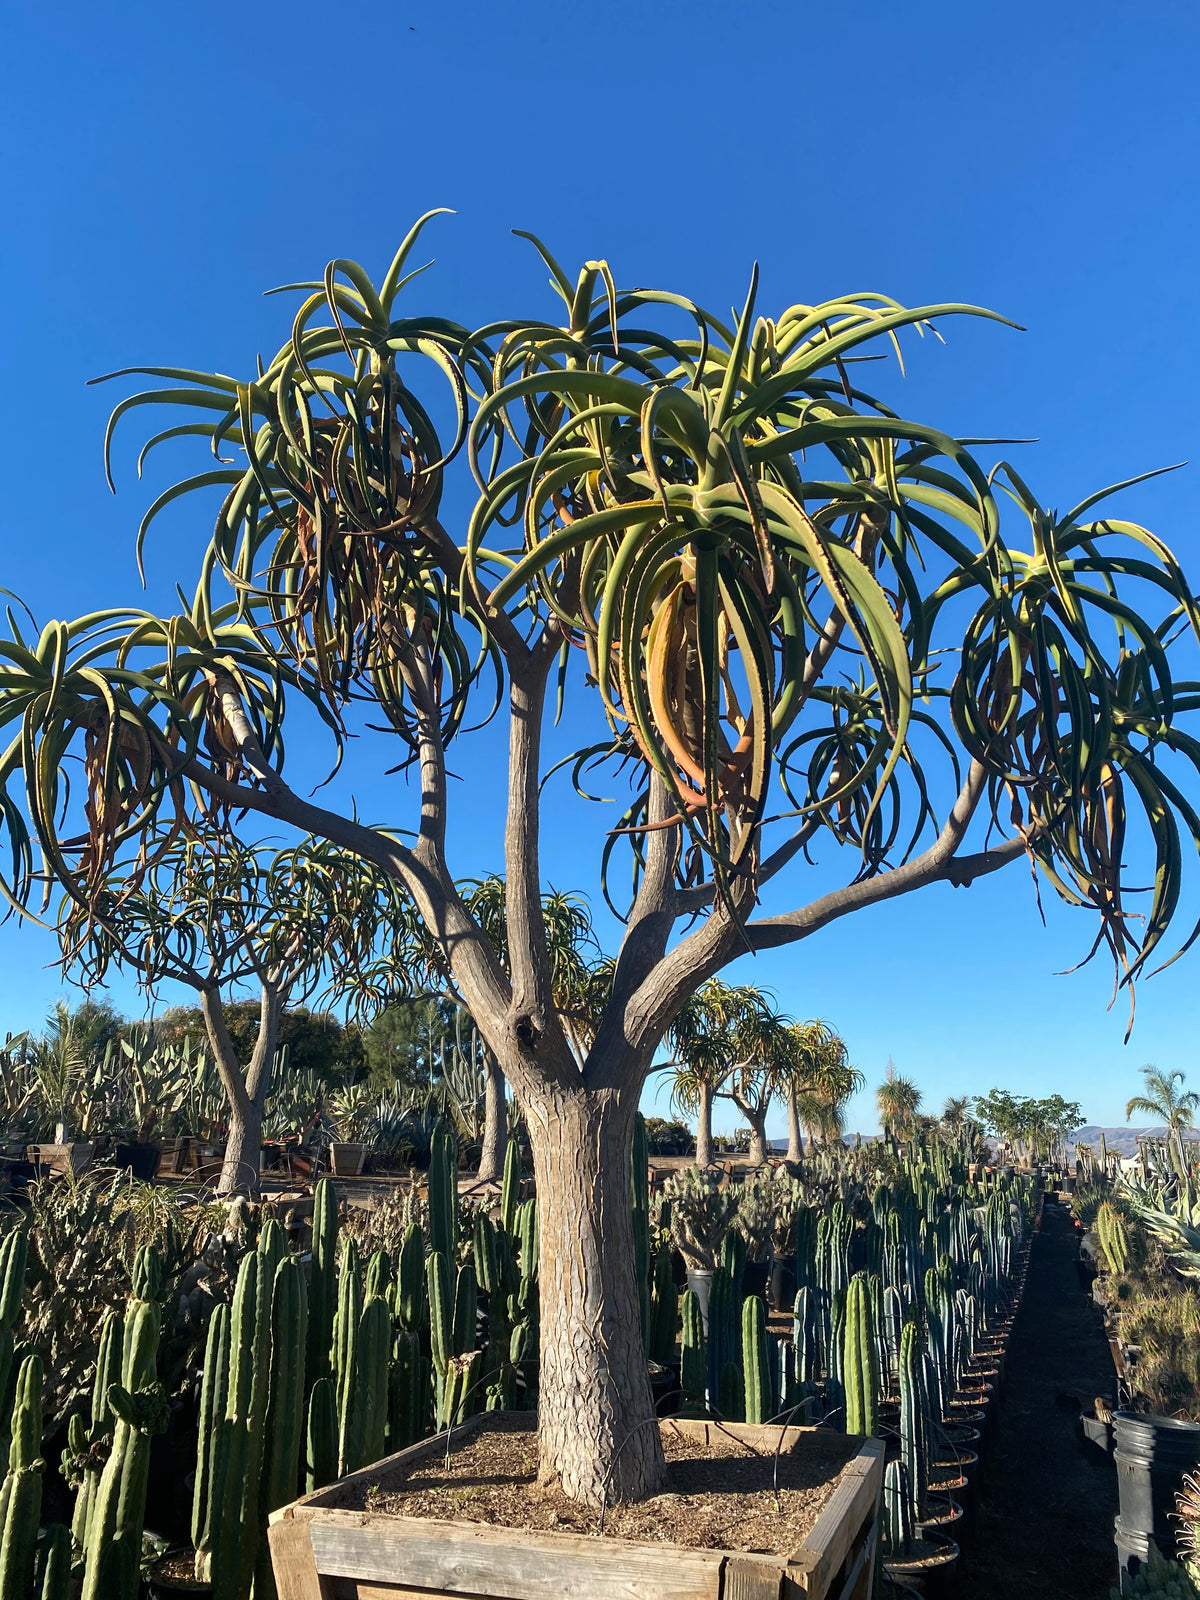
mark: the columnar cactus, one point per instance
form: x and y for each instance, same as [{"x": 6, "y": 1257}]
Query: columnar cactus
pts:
[
  {"x": 321, "y": 1436},
  {"x": 860, "y": 1363},
  {"x": 114, "y": 1542},
  {"x": 640, "y": 1189},
  {"x": 723, "y": 1334},
  {"x": 897, "y": 1510},
  {"x": 1114, "y": 1237},
  {"x": 21, "y": 1495},
  {"x": 755, "y": 1360},
  {"x": 13, "y": 1251},
  {"x": 443, "y": 1192},
  {"x": 693, "y": 1371},
  {"x": 510, "y": 1188},
  {"x": 664, "y": 1308},
  {"x": 88, "y": 1443},
  {"x": 322, "y": 1288},
  {"x": 916, "y": 1423}
]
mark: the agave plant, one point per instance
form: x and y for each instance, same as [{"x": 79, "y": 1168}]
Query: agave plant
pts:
[{"x": 800, "y": 613}]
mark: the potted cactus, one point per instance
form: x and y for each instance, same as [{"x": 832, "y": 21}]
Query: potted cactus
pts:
[
  {"x": 352, "y": 1116},
  {"x": 703, "y": 1208}
]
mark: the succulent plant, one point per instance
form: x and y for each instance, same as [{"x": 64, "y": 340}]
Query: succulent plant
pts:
[{"x": 702, "y": 1212}]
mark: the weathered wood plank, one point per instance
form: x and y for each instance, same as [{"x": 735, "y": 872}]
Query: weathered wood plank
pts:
[
  {"x": 293, "y": 1562},
  {"x": 350, "y": 1589},
  {"x": 761, "y": 1436},
  {"x": 751, "y": 1580},
  {"x": 852, "y": 1505},
  {"x": 507, "y": 1564}
]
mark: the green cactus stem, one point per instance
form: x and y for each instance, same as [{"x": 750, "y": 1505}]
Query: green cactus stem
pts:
[
  {"x": 860, "y": 1362},
  {"x": 755, "y": 1361}
]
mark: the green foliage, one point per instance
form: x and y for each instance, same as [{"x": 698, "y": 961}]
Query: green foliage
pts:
[
  {"x": 702, "y": 1211},
  {"x": 1044, "y": 1125},
  {"x": 1159, "y": 1576},
  {"x": 673, "y": 1138}
]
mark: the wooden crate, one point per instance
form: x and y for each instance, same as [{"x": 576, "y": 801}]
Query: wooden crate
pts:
[
  {"x": 320, "y": 1552},
  {"x": 59, "y": 1160}
]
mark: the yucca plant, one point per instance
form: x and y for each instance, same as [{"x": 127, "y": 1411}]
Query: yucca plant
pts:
[{"x": 796, "y": 612}]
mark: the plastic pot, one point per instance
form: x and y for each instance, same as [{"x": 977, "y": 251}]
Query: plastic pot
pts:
[
  {"x": 930, "y": 1567},
  {"x": 1097, "y": 1433},
  {"x": 139, "y": 1160},
  {"x": 783, "y": 1283},
  {"x": 699, "y": 1282},
  {"x": 754, "y": 1278},
  {"x": 163, "y": 1582},
  {"x": 347, "y": 1160},
  {"x": 1151, "y": 1454}
]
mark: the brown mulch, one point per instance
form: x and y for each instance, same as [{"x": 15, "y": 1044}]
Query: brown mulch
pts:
[{"x": 719, "y": 1496}]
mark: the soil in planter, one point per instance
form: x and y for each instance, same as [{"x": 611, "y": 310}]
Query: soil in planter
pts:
[
  {"x": 178, "y": 1571},
  {"x": 718, "y": 1497}
]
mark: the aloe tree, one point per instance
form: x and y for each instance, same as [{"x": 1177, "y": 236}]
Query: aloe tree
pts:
[
  {"x": 781, "y": 610},
  {"x": 819, "y": 1085},
  {"x": 898, "y": 1098},
  {"x": 215, "y": 914},
  {"x": 707, "y": 1039}
]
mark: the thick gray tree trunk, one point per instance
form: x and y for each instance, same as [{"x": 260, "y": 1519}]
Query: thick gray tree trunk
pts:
[
  {"x": 495, "y": 1120},
  {"x": 704, "y": 1134},
  {"x": 246, "y": 1093},
  {"x": 795, "y": 1149},
  {"x": 595, "y": 1408}
]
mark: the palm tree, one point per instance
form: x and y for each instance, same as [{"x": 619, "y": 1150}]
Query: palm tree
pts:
[
  {"x": 1165, "y": 1097},
  {"x": 897, "y": 1098}
]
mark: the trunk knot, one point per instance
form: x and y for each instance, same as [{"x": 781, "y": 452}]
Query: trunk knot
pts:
[{"x": 526, "y": 1033}]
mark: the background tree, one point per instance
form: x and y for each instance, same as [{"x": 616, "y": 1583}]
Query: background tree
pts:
[
  {"x": 703, "y": 1042},
  {"x": 1164, "y": 1096},
  {"x": 898, "y": 1099},
  {"x": 214, "y": 914},
  {"x": 791, "y": 612},
  {"x": 820, "y": 1083}
]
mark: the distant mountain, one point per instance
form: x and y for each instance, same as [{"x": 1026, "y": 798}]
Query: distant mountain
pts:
[{"x": 1122, "y": 1140}]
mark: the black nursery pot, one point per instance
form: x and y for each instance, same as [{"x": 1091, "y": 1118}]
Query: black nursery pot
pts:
[
  {"x": 754, "y": 1278},
  {"x": 931, "y": 1569},
  {"x": 164, "y": 1585},
  {"x": 1151, "y": 1455},
  {"x": 140, "y": 1160}
]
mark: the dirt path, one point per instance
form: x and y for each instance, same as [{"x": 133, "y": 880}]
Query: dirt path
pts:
[{"x": 1045, "y": 1526}]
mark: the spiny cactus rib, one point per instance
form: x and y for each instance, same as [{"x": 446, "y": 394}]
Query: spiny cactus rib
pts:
[{"x": 755, "y": 1361}]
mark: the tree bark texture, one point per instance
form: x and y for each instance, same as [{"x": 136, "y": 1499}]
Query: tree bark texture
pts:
[
  {"x": 759, "y": 1149},
  {"x": 495, "y": 1120},
  {"x": 246, "y": 1093},
  {"x": 598, "y": 1435},
  {"x": 795, "y": 1149},
  {"x": 704, "y": 1137}
]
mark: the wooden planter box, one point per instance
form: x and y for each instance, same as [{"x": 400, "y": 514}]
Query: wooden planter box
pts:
[
  {"x": 321, "y": 1552},
  {"x": 60, "y": 1159},
  {"x": 347, "y": 1159}
]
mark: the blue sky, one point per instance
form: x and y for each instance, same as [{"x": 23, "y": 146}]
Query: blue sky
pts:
[{"x": 165, "y": 164}]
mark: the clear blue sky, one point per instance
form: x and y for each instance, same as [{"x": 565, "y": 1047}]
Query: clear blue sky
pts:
[{"x": 164, "y": 164}]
